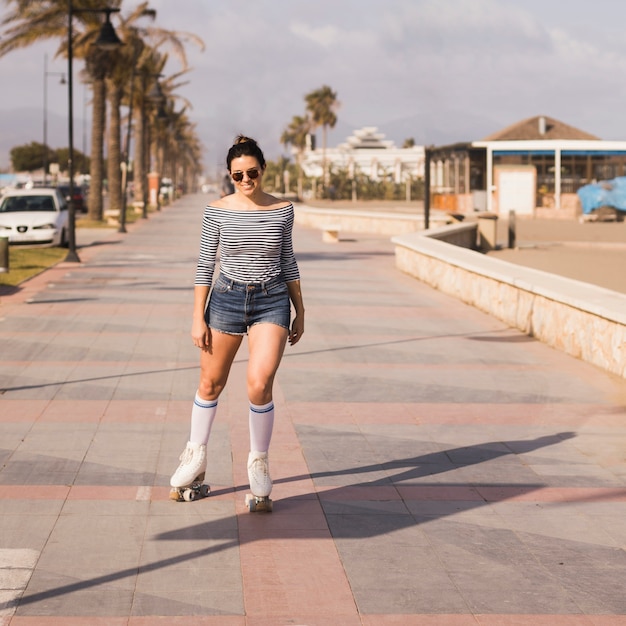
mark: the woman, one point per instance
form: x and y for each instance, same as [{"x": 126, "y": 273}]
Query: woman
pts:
[{"x": 258, "y": 280}]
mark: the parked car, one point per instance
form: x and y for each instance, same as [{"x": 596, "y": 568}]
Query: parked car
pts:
[
  {"x": 80, "y": 206},
  {"x": 34, "y": 216}
]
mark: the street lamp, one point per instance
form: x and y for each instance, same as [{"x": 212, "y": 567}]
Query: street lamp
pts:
[
  {"x": 46, "y": 73},
  {"x": 107, "y": 40}
]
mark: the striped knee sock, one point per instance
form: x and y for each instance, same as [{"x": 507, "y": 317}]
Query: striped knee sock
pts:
[
  {"x": 202, "y": 416},
  {"x": 261, "y": 420}
]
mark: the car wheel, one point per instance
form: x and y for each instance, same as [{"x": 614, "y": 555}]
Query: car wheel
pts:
[{"x": 64, "y": 243}]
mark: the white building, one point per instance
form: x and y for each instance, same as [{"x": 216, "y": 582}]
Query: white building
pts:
[
  {"x": 533, "y": 167},
  {"x": 367, "y": 152}
]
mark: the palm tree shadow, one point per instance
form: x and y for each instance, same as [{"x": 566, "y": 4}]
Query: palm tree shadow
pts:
[{"x": 443, "y": 461}]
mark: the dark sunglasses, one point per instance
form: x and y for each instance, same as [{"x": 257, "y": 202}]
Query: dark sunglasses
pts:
[{"x": 252, "y": 174}]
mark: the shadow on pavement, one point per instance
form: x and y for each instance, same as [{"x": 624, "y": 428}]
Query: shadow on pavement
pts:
[{"x": 413, "y": 467}]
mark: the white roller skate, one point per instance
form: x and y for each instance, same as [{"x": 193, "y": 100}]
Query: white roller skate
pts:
[
  {"x": 260, "y": 482},
  {"x": 187, "y": 480}
]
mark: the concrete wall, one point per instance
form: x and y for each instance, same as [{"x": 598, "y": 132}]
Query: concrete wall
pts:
[
  {"x": 583, "y": 320},
  {"x": 354, "y": 221}
]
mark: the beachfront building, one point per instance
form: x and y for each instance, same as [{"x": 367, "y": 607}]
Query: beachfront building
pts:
[
  {"x": 533, "y": 167},
  {"x": 367, "y": 151}
]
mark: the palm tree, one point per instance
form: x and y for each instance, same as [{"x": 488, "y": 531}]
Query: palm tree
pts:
[
  {"x": 321, "y": 105},
  {"x": 96, "y": 71},
  {"x": 118, "y": 82},
  {"x": 148, "y": 70},
  {"x": 33, "y": 21},
  {"x": 295, "y": 135},
  {"x": 179, "y": 151},
  {"x": 158, "y": 121},
  {"x": 133, "y": 57}
]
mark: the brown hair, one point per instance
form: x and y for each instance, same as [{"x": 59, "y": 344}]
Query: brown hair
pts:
[{"x": 245, "y": 146}]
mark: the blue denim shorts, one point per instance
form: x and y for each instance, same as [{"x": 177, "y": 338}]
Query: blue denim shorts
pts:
[{"x": 235, "y": 306}]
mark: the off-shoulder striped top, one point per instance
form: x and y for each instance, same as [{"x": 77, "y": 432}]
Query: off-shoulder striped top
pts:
[{"x": 254, "y": 246}]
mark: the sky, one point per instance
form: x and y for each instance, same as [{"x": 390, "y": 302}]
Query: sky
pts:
[{"x": 438, "y": 71}]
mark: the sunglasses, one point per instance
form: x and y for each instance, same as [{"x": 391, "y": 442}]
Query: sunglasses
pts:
[{"x": 252, "y": 174}]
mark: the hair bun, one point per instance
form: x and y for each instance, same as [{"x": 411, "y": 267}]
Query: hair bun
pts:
[
  {"x": 245, "y": 146},
  {"x": 243, "y": 139}
]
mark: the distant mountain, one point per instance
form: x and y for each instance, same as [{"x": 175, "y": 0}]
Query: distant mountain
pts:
[
  {"x": 426, "y": 129},
  {"x": 21, "y": 126}
]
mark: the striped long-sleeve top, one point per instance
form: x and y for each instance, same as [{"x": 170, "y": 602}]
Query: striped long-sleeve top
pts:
[{"x": 254, "y": 246}]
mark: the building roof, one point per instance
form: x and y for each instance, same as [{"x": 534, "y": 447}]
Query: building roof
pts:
[
  {"x": 367, "y": 138},
  {"x": 540, "y": 127}
]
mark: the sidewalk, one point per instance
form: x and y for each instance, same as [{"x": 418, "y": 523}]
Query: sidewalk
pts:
[{"x": 431, "y": 466}]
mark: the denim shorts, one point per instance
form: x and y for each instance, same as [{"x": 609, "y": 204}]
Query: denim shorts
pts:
[{"x": 235, "y": 306}]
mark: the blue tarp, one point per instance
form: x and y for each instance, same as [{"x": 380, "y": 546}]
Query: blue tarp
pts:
[{"x": 605, "y": 193}]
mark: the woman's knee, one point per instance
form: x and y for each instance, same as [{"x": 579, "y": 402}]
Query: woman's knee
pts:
[
  {"x": 210, "y": 389},
  {"x": 259, "y": 390}
]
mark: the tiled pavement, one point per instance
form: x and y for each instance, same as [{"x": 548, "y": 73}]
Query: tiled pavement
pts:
[{"x": 432, "y": 467}]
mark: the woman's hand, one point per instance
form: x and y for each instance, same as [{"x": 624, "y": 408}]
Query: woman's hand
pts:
[
  {"x": 201, "y": 334},
  {"x": 297, "y": 329}
]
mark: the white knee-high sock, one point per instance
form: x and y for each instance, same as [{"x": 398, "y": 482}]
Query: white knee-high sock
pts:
[
  {"x": 261, "y": 419},
  {"x": 202, "y": 416}
]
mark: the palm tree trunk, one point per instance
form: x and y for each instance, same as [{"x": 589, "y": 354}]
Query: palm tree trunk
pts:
[
  {"x": 299, "y": 162},
  {"x": 324, "y": 164},
  {"x": 139, "y": 171},
  {"x": 114, "y": 152},
  {"x": 147, "y": 156},
  {"x": 97, "y": 142}
]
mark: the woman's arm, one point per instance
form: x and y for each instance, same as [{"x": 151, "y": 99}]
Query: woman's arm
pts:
[
  {"x": 200, "y": 332},
  {"x": 297, "y": 327}
]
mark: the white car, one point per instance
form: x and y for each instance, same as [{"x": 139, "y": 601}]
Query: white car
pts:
[{"x": 34, "y": 216}]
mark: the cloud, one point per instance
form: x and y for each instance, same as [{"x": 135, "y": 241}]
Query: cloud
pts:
[
  {"x": 325, "y": 36},
  {"x": 438, "y": 70}
]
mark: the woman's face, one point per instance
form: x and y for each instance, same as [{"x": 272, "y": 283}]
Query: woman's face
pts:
[{"x": 249, "y": 173}]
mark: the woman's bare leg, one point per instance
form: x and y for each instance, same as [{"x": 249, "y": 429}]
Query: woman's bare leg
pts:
[
  {"x": 215, "y": 363},
  {"x": 266, "y": 347}
]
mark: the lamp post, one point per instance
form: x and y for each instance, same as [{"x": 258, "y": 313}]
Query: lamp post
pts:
[
  {"x": 107, "y": 40},
  {"x": 46, "y": 73},
  {"x": 428, "y": 155}
]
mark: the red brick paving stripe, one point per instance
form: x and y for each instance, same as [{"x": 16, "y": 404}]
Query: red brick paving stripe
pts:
[
  {"x": 553, "y": 494},
  {"x": 363, "y": 493},
  {"x": 565, "y": 415},
  {"x": 34, "y": 492},
  {"x": 550, "y": 620},
  {"x": 300, "y": 619},
  {"x": 304, "y": 619},
  {"x": 67, "y": 620},
  {"x": 493, "y": 620},
  {"x": 187, "y": 620},
  {"x": 419, "y": 620},
  {"x": 150, "y": 620},
  {"x": 278, "y": 582}
]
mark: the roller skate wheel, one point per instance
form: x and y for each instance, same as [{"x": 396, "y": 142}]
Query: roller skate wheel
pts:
[
  {"x": 189, "y": 495},
  {"x": 205, "y": 490},
  {"x": 258, "y": 504}
]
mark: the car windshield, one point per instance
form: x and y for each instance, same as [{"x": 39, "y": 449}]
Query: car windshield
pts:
[{"x": 14, "y": 204}]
